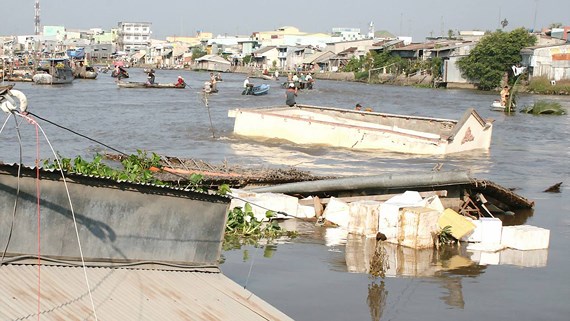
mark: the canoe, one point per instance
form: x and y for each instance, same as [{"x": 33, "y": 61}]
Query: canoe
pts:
[
  {"x": 362, "y": 130},
  {"x": 133, "y": 84},
  {"x": 260, "y": 90}
]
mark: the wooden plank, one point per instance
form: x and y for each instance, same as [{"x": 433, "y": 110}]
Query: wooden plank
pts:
[{"x": 382, "y": 197}]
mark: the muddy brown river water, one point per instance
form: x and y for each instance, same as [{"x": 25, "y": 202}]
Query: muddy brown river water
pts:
[{"x": 319, "y": 275}]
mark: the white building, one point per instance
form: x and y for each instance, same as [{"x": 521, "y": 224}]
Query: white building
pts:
[
  {"x": 133, "y": 36},
  {"x": 347, "y": 34}
]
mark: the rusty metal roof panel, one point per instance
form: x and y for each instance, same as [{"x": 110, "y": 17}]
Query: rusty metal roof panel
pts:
[{"x": 61, "y": 293}]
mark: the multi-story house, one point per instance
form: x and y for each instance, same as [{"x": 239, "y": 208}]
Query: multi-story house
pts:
[{"x": 133, "y": 36}]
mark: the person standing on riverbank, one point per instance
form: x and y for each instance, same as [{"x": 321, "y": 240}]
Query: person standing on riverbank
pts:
[{"x": 290, "y": 95}]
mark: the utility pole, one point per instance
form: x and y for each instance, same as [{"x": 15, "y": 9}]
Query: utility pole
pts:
[
  {"x": 37, "y": 18},
  {"x": 535, "y": 10}
]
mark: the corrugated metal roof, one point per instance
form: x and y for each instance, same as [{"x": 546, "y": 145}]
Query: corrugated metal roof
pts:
[{"x": 126, "y": 294}]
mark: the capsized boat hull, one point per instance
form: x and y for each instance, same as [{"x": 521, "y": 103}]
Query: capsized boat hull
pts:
[{"x": 335, "y": 127}]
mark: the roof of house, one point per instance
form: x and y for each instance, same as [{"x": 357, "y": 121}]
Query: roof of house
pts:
[
  {"x": 126, "y": 294},
  {"x": 264, "y": 49},
  {"x": 213, "y": 58}
]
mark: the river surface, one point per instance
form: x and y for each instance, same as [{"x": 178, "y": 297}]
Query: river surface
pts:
[{"x": 319, "y": 275}]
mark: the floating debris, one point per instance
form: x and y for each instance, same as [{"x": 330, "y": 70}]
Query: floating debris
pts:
[
  {"x": 554, "y": 188},
  {"x": 544, "y": 108}
]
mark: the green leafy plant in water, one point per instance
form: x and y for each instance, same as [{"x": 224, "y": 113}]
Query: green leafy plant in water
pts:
[
  {"x": 545, "y": 107},
  {"x": 444, "y": 236},
  {"x": 243, "y": 228},
  {"x": 136, "y": 168}
]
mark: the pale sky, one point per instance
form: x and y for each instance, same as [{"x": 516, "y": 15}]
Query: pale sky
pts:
[{"x": 184, "y": 17}]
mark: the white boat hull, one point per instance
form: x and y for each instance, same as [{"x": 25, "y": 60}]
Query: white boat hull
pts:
[{"x": 311, "y": 125}]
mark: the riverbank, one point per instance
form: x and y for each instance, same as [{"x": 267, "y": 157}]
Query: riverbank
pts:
[{"x": 538, "y": 86}]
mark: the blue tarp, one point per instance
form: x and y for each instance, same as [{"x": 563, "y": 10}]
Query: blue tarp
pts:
[{"x": 78, "y": 53}]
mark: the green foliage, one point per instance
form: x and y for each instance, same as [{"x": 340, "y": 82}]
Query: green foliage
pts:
[
  {"x": 243, "y": 228},
  {"x": 136, "y": 168},
  {"x": 493, "y": 56},
  {"x": 545, "y": 107},
  {"x": 198, "y": 53},
  {"x": 542, "y": 85},
  {"x": 353, "y": 65},
  {"x": 444, "y": 235},
  {"x": 247, "y": 59}
]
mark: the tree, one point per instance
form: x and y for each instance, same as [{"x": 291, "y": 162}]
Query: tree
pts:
[
  {"x": 493, "y": 56},
  {"x": 197, "y": 53}
]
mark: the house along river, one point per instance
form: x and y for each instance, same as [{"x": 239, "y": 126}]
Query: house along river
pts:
[{"x": 318, "y": 276}]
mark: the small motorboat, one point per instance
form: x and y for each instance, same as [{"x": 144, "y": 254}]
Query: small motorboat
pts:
[
  {"x": 260, "y": 90},
  {"x": 496, "y": 106}
]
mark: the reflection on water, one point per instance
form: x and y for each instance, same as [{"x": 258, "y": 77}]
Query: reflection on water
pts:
[
  {"x": 376, "y": 299},
  {"x": 447, "y": 265}
]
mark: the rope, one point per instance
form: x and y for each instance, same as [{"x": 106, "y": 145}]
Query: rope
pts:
[
  {"x": 17, "y": 190},
  {"x": 32, "y": 121},
  {"x": 38, "y": 215},
  {"x": 76, "y": 133},
  {"x": 250, "y": 267}
]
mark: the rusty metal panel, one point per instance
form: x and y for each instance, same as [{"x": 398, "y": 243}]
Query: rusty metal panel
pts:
[{"x": 125, "y": 294}]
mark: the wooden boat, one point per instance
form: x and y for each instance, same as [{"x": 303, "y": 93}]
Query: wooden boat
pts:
[
  {"x": 260, "y": 90},
  {"x": 54, "y": 71},
  {"x": 335, "y": 127},
  {"x": 134, "y": 84}
]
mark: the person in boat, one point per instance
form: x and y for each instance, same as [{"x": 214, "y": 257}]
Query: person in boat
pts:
[
  {"x": 504, "y": 95},
  {"x": 150, "y": 78},
  {"x": 358, "y": 107},
  {"x": 290, "y": 95},
  {"x": 213, "y": 85},
  {"x": 121, "y": 72},
  {"x": 180, "y": 82},
  {"x": 247, "y": 87},
  {"x": 309, "y": 79},
  {"x": 296, "y": 80}
]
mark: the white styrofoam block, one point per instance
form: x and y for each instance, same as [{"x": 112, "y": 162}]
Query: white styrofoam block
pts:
[
  {"x": 476, "y": 235},
  {"x": 491, "y": 229},
  {"x": 305, "y": 211},
  {"x": 531, "y": 258},
  {"x": 337, "y": 212},
  {"x": 417, "y": 227},
  {"x": 525, "y": 237},
  {"x": 407, "y": 199},
  {"x": 363, "y": 218},
  {"x": 433, "y": 202},
  {"x": 264, "y": 201},
  {"x": 388, "y": 219}
]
